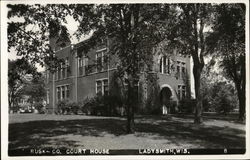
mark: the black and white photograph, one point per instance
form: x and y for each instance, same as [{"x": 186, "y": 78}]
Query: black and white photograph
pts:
[{"x": 143, "y": 79}]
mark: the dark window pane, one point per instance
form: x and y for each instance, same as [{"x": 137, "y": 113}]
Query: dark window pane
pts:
[
  {"x": 67, "y": 91},
  {"x": 105, "y": 87}
]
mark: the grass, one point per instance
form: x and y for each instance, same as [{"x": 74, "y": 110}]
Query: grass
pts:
[{"x": 34, "y": 130}]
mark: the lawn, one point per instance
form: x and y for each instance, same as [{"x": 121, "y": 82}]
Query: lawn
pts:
[{"x": 36, "y": 130}]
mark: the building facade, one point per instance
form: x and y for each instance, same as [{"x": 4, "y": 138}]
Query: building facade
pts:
[{"x": 78, "y": 77}]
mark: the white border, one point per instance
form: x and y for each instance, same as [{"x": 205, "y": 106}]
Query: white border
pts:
[{"x": 4, "y": 82}]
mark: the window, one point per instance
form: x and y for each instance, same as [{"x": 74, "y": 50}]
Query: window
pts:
[
  {"x": 102, "y": 87},
  {"x": 85, "y": 61},
  {"x": 101, "y": 61},
  {"x": 47, "y": 96},
  {"x": 99, "y": 87},
  {"x": 161, "y": 65},
  {"x": 165, "y": 65},
  {"x": 67, "y": 72},
  {"x": 62, "y": 92},
  {"x": 86, "y": 64},
  {"x": 58, "y": 93},
  {"x": 67, "y": 91},
  {"x": 181, "y": 92},
  {"x": 63, "y": 70},
  {"x": 61, "y": 67},
  {"x": 178, "y": 70},
  {"x": 58, "y": 73},
  {"x": 168, "y": 66},
  {"x": 80, "y": 66},
  {"x": 183, "y": 69},
  {"x": 47, "y": 76},
  {"x": 105, "y": 87}
]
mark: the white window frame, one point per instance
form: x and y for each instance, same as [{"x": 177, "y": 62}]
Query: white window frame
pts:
[
  {"x": 61, "y": 70},
  {"x": 62, "y": 86},
  {"x": 181, "y": 64},
  {"x": 166, "y": 64},
  {"x": 66, "y": 67},
  {"x": 47, "y": 96},
  {"x": 102, "y": 51},
  {"x": 102, "y": 84},
  {"x": 181, "y": 90}
]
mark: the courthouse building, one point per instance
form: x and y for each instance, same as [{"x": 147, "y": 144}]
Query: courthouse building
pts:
[{"x": 77, "y": 79}]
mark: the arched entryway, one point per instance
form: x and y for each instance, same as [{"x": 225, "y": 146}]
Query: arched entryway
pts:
[{"x": 165, "y": 97}]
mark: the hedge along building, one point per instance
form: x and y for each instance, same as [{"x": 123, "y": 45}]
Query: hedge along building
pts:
[{"x": 80, "y": 77}]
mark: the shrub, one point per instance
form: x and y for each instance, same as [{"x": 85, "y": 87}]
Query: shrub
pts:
[
  {"x": 86, "y": 106},
  {"x": 187, "y": 105},
  {"x": 74, "y": 107},
  {"x": 63, "y": 106},
  {"x": 101, "y": 105},
  {"x": 39, "y": 106},
  {"x": 173, "y": 107}
]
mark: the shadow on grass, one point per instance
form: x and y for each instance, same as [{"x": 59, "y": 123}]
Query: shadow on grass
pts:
[
  {"x": 180, "y": 132},
  {"x": 47, "y": 132},
  {"x": 230, "y": 117}
]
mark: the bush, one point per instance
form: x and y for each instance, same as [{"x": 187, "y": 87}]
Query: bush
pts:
[
  {"x": 74, "y": 107},
  {"x": 173, "y": 107},
  {"x": 223, "y": 104},
  {"x": 187, "y": 105},
  {"x": 220, "y": 97},
  {"x": 39, "y": 106},
  {"x": 101, "y": 105},
  {"x": 63, "y": 107},
  {"x": 86, "y": 106}
]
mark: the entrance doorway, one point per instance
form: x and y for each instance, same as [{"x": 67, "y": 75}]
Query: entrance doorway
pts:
[{"x": 165, "y": 96}]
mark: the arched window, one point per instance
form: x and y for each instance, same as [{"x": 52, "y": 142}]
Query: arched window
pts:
[{"x": 165, "y": 65}]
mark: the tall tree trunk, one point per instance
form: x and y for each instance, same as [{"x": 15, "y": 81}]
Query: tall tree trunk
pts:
[
  {"x": 11, "y": 101},
  {"x": 130, "y": 120},
  {"x": 242, "y": 102},
  {"x": 130, "y": 108},
  {"x": 198, "y": 108},
  {"x": 10, "y": 106}
]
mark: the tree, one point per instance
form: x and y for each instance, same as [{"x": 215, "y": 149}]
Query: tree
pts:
[
  {"x": 223, "y": 97},
  {"x": 133, "y": 30},
  {"x": 189, "y": 36},
  {"x": 17, "y": 71},
  {"x": 30, "y": 36},
  {"x": 227, "y": 43},
  {"x": 218, "y": 92},
  {"x": 35, "y": 89}
]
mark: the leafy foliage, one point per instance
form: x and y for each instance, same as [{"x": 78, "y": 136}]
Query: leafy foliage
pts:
[
  {"x": 17, "y": 71},
  {"x": 218, "y": 92},
  {"x": 35, "y": 89},
  {"x": 30, "y": 35},
  {"x": 220, "y": 97},
  {"x": 227, "y": 43},
  {"x": 133, "y": 33},
  {"x": 189, "y": 37}
]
